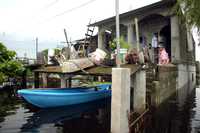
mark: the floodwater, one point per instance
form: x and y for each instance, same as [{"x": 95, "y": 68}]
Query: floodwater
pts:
[
  {"x": 17, "y": 116},
  {"x": 173, "y": 117}
]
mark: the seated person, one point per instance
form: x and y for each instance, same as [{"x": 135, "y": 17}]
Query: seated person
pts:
[{"x": 163, "y": 56}]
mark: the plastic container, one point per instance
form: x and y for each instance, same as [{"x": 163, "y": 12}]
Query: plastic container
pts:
[
  {"x": 122, "y": 52},
  {"x": 98, "y": 56}
]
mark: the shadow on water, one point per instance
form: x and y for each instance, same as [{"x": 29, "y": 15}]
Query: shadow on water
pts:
[
  {"x": 8, "y": 102},
  {"x": 73, "y": 119},
  {"x": 17, "y": 116}
]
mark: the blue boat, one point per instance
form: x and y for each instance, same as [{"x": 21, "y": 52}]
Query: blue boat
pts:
[{"x": 49, "y": 98}]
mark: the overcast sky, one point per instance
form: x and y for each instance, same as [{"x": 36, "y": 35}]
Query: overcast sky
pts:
[{"x": 24, "y": 20}]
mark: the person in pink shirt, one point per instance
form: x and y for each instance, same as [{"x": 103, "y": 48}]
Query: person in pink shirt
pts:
[{"x": 163, "y": 56}]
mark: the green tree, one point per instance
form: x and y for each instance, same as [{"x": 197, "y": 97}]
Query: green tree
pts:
[
  {"x": 190, "y": 12},
  {"x": 9, "y": 67}
]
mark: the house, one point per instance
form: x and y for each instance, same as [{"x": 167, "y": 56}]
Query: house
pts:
[{"x": 159, "y": 18}]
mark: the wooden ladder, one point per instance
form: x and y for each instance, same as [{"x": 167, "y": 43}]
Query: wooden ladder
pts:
[{"x": 88, "y": 38}]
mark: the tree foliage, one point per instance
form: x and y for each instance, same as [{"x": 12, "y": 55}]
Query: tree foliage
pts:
[
  {"x": 190, "y": 11},
  {"x": 122, "y": 42},
  {"x": 9, "y": 67}
]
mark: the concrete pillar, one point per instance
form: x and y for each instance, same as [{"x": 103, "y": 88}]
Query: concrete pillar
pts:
[
  {"x": 120, "y": 100},
  {"x": 175, "y": 39},
  {"x": 131, "y": 35},
  {"x": 44, "y": 80},
  {"x": 63, "y": 81},
  {"x": 182, "y": 83},
  {"x": 192, "y": 78},
  {"x": 36, "y": 79},
  {"x": 189, "y": 40},
  {"x": 139, "y": 93},
  {"x": 99, "y": 78},
  {"x": 101, "y": 33}
]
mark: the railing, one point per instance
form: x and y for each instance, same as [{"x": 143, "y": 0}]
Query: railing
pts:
[{"x": 138, "y": 122}]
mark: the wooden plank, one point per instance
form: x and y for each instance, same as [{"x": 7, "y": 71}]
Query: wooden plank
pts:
[
  {"x": 94, "y": 70},
  {"x": 107, "y": 71},
  {"x": 49, "y": 69}
]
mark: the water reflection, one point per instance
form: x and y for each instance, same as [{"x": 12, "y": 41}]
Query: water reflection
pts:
[
  {"x": 171, "y": 117},
  {"x": 195, "y": 114},
  {"x": 8, "y": 103},
  {"x": 17, "y": 116},
  {"x": 75, "y": 118}
]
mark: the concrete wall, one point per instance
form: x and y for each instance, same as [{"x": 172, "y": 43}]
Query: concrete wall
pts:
[
  {"x": 182, "y": 44},
  {"x": 198, "y": 72},
  {"x": 138, "y": 82},
  {"x": 186, "y": 76},
  {"x": 165, "y": 85},
  {"x": 173, "y": 80},
  {"x": 186, "y": 82}
]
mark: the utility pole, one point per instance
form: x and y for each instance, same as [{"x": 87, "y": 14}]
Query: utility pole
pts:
[
  {"x": 117, "y": 32},
  {"x": 36, "y": 45}
]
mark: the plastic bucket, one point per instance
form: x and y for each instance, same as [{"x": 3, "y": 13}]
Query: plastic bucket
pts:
[{"x": 122, "y": 53}]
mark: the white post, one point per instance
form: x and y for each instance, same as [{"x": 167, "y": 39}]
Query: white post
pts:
[
  {"x": 62, "y": 81},
  {"x": 100, "y": 38},
  {"x": 137, "y": 35},
  {"x": 120, "y": 100},
  {"x": 117, "y": 32},
  {"x": 175, "y": 40},
  {"x": 44, "y": 80},
  {"x": 130, "y": 35}
]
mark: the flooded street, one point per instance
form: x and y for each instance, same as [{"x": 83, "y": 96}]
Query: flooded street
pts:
[
  {"x": 139, "y": 59},
  {"x": 195, "y": 113},
  {"x": 17, "y": 116},
  {"x": 171, "y": 117}
]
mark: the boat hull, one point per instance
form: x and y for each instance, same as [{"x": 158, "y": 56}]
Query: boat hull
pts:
[{"x": 49, "y": 98}]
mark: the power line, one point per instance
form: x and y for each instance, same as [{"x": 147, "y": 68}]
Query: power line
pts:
[
  {"x": 67, "y": 11},
  {"x": 50, "y": 4},
  {"x": 74, "y": 8}
]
